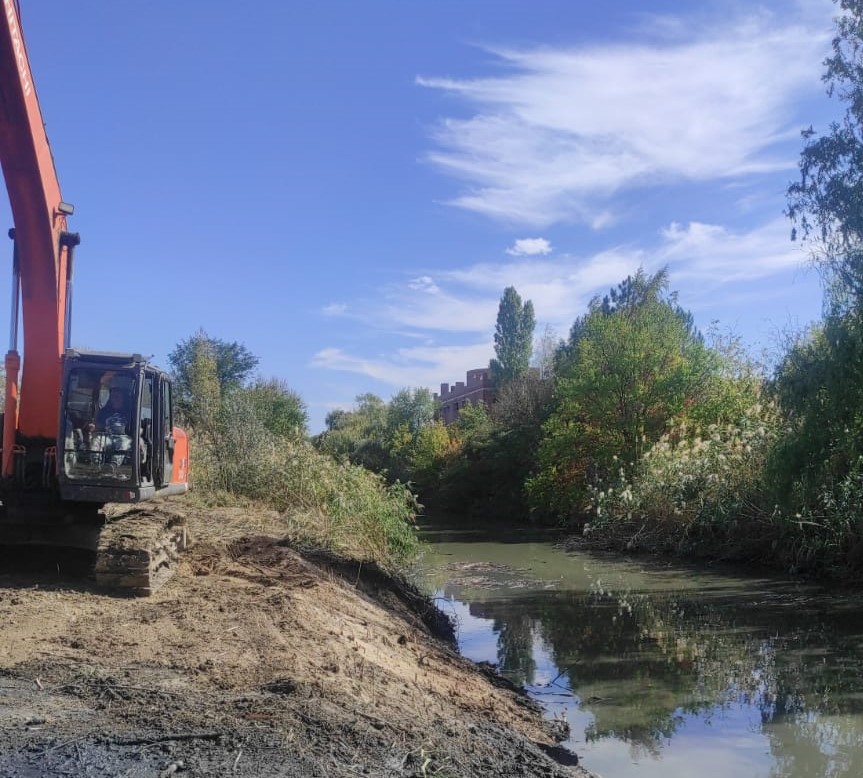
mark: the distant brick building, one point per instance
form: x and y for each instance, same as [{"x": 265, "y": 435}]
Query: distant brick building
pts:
[{"x": 479, "y": 389}]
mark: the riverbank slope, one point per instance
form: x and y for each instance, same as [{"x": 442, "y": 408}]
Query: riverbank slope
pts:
[{"x": 255, "y": 659}]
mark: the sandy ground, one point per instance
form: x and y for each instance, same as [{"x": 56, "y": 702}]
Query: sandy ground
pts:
[{"x": 257, "y": 660}]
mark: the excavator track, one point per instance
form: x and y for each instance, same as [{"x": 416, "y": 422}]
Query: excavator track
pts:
[{"x": 137, "y": 550}]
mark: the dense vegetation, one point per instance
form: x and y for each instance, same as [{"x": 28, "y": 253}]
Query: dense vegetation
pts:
[
  {"x": 643, "y": 433},
  {"x": 637, "y": 429},
  {"x": 249, "y": 444}
]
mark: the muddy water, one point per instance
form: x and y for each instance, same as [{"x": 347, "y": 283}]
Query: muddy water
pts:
[{"x": 663, "y": 670}]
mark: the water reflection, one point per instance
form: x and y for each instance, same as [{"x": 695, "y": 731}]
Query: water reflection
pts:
[{"x": 666, "y": 667}]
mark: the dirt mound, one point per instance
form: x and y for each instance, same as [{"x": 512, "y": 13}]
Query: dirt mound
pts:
[{"x": 254, "y": 659}]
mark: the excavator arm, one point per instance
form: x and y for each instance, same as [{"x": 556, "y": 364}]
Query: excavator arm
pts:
[{"x": 42, "y": 246}]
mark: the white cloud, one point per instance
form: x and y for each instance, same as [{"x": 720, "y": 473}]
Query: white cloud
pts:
[
  {"x": 559, "y": 289},
  {"x": 527, "y": 247},
  {"x": 417, "y": 366},
  {"x": 715, "y": 254},
  {"x": 466, "y": 300},
  {"x": 601, "y": 220},
  {"x": 424, "y": 284},
  {"x": 564, "y": 129},
  {"x": 334, "y": 309},
  {"x": 452, "y": 310}
]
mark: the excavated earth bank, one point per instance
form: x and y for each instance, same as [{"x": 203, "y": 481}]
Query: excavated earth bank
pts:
[{"x": 255, "y": 659}]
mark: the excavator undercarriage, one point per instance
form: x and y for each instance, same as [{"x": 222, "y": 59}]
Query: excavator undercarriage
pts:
[
  {"x": 138, "y": 548},
  {"x": 132, "y": 549}
]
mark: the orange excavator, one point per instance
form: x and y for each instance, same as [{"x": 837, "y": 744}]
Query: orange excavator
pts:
[{"x": 83, "y": 429}]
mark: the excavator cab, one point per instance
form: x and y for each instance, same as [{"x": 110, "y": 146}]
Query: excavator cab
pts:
[{"x": 117, "y": 440}]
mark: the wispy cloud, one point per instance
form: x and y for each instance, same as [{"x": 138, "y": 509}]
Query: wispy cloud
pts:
[
  {"x": 564, "y": 129},
  {"x": 423, "y": 284},
  {"x": 334, "y": 309},
  {"x": 527, "y": 247},
  {"x": 711, "y": 265},
  {"x": 716, "y": 254},
  {"x": 417, "y": 366},
  {"x": 433, "y": 309},
  {"x": 703, "y": 259}
]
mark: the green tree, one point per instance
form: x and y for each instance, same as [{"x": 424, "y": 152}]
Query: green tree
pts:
[
  {"x": 429, "y": 453},
  {"x": 202, "y": 393},
  {"x": 818, "y": 466},
  {"x": 473, "y": 422},
  {"x": 413, "y": 408},
  {"x": 513, "y": 337},
  {"x": 282, "y": 411},
  {"x": 827, "y": 202},
  {"x": 372, "y": 411},
  {"x": 819, "y": 385},
  {"x": 733, "y": 385},
  {"x": 492, "y": 453},
  {"x": 632, "y": 363},
  {"x": 359, "y": 435},
  {"x": 544, "y": 353},
  {"x": 234, "y": 364}
]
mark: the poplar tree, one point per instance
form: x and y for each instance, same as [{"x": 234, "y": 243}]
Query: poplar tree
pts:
[{"x": 513, "y": 337}]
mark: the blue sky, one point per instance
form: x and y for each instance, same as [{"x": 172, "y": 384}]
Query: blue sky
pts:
[{"x": 347, "y": 188}]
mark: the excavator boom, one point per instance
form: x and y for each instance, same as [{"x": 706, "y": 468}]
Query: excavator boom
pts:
[{"x": 40, "y": 225}]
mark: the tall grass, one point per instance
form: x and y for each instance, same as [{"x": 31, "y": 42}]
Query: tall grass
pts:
[
  {"x": 326, "y": 503},
  {"x": 711, "y": 493},
  {"x": 690, "y": 477}
]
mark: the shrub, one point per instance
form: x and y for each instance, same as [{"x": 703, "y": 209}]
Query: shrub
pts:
[
  {"x": 714, "y": 495},
  {"x": 692, "y": 487},
  {"x": 326, "y": 503}
]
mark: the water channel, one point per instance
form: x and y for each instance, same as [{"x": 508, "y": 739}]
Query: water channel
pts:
[{"x": 662, "y": 670}]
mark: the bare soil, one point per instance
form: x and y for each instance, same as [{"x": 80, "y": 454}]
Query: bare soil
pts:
[{"x": 255, "y": 659}]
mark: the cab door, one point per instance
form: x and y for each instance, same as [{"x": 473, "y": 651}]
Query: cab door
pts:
[
  {"x": 148, "y": 466},
  {"x": 165, "y": 437}
]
